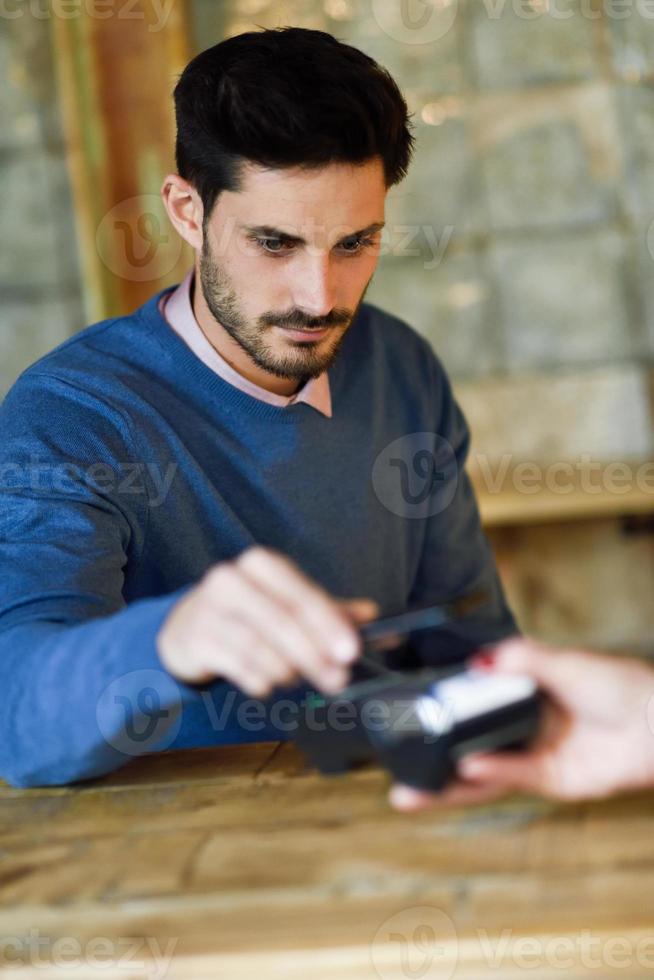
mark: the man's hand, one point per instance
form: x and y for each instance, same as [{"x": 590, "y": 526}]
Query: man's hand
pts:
[
  {"x": 597, "y": 739},
  {"x": 259, "y": 622}
]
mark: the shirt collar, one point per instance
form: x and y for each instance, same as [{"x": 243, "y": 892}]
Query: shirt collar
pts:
[{"x": 178, "y": 311}]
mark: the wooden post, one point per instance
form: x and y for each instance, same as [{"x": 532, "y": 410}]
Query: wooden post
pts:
[{"x": 116, "y": 73}]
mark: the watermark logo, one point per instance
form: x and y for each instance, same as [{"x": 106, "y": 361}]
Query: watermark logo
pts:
[
  {"x": 583, "y": 475},
  {"x": 135, "y": 241},
  {"x": 580, "y": 952},
  {"x": 396, "y": 239},
  {"x": 133, "y": 715},
  {"x": 414, "y": 943},
  {"x": 128, "y": 478},
  {"x": 422, "y": 942},
  {"x": 419, "y": 241},
  {"x": 155, "y": 12},
  {"x": 416, "y": 475},
  {"x": 415, "y": 21},
  {"x": 128, "y": 956}
]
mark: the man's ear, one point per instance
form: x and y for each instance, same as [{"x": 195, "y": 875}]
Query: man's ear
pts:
[{"x": 184, "y": 207}]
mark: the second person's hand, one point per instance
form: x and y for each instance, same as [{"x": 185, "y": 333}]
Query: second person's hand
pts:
[{"x": 597, "y": 737}]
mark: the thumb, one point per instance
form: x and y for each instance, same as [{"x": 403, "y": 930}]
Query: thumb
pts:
[{"x": 360, "y": 610}]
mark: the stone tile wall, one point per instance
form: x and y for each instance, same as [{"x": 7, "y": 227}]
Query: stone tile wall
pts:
[
  {"x": 521, "y": 244},
  {"x": 40, "y": 287}
]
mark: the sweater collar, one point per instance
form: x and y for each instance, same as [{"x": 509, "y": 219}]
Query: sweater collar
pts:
[{"x": 177, "y": 308}]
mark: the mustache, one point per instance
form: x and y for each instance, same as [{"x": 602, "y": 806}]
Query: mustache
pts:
[{"x": 296, "y": 320}]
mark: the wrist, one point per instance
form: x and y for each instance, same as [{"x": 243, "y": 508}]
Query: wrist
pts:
[
  {"x": 649, "y": 731},
  {"x": 644, "y": 732}
]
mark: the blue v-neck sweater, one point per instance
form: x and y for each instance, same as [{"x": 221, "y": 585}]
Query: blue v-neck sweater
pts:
[{"x": 128, "y": 468}]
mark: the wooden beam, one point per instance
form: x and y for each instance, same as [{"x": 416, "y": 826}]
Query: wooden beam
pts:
[
  {"x": 563, "y": 491},
  {"x": 116, "y": 76}
]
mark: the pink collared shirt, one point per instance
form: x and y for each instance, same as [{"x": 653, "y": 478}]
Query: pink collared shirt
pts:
[{"x": 177, "y": 309}]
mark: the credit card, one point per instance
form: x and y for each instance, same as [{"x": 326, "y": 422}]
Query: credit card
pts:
[{"x": 421, "y": 618}]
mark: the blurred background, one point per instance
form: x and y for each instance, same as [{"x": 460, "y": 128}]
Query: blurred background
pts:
[{"x": 521, "y": 243}]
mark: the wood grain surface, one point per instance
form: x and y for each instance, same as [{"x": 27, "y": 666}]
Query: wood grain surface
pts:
[{"x": 242, "y": 862}]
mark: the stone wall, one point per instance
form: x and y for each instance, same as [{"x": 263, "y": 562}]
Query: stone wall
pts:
[
  {"x": 521, "y": 244},
  {"x": 39, "y": 269}
]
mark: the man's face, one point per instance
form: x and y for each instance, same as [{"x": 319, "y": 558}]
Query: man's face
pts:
[{"x": 286, "y": 261}]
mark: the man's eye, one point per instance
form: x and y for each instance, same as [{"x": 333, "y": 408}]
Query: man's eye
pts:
[
  {"x": 275, "y": 245},
  {"x": 356, "y": 244},
  {"x": 281, "y": 246}
]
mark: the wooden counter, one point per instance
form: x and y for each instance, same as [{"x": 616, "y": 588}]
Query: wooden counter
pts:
[{"x": 243, "y": 863}]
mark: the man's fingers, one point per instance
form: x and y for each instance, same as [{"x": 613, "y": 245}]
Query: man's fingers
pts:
[
  {"x": 237, "y": 594},
  {"x": 360, "y": 610},
  {"x": 252, "y": 652},
  {"x": 314, "y": 608},
  {"x": 238, "y": 654}
]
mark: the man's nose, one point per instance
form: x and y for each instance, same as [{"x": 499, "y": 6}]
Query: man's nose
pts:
[{"x": 314, "y": 286}]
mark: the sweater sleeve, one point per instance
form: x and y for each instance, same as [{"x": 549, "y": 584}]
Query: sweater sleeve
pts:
[
  {"x": 457, "y": 559},
  {"x": 82, "y": 686}
]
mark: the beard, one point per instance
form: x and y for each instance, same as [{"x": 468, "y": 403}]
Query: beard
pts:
[{"x": 302, "y": 360}]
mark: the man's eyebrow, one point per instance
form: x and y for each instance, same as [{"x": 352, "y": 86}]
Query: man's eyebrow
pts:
[{"x": 267, "y": 231}]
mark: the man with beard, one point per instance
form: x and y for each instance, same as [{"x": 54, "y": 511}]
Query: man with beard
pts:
[{"x": 203, "y": 499}]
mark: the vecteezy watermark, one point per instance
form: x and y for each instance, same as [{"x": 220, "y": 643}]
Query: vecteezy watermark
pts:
[
  {"x": 585, "y": 475},
  {"x": 140, "y": 711},
  {"x": 416, "y": 475},
  {"x": 427, "y": 21},
  {"x": 422, "y": 941},
  {"x": 115, "y": 480},
  {"x": 585, "y": 949},
  {"x": 415, "y": 21},
  {"x": 415, "y": 943},
  {"x": 155, "y": 12},
  {"x": 136, "y": 241},
  {"x": 142, "y": 956},
  {"x": 400, "y": 240},
  {"x": 424, "y": 716},
  {"x": 566, "y": 9},
  {"x": 409, "y": 243}
]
